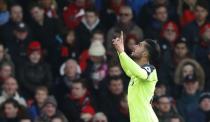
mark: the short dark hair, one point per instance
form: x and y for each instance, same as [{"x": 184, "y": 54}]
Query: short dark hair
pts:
[
  {"x": 181, "y": 40},
  {"x": 158, "y": 6},
  {"x": 11, "y": 101},
  {"x": 34, "y": 5},
  {"x": 14, "y": 5},
  {"x": 114, "y": 78},
  {"x": 113, "y": 63},
  {"x": 203, "y": 3},
  {"x": 42, "y": 88},
  {"x": 162, "y": 96},
  {"x": 92, "y": 9},
  {"x": 153, "y": 50},
  {"x": 82, "y": 81},
  {"x": 97, "y": 32}
]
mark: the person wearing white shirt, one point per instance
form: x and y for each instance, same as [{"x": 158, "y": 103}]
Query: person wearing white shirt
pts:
[{"x": 10, "y": 90}]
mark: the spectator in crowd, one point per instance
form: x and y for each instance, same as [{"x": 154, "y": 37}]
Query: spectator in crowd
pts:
[
  {"x": 145, "y": 15},
  {"x": 160, "y": 17},
  {"x": 49, "y": 110},
  {"x": 4, "y": 13},
  {"x": 185, "y": 11},
  {"x": 4, "y": 56},
  {"x": 189, "y": 67},
  {"x": 11, "y": 111},
  {"x": 70, "y": 72},
  {"x": 34, "y": 72},
  {"x": 45, "y": 29},
  {"x": 78, "y": 105},
  {"x": 110, "y": 11},
  {"x": 181, "y": 38},
  {"x": 181, "y": 51},
  {"x": 88, "y": 25},
  {"x": 41, "y": 95},
  {"x": 161, "y": 90},
  {"x": 202, "y": 112},
  {"x": 201, "y": 52},
  {"x": 16, "y": 16},
  {"x": 85, "y": 56},
  {"x": 98, "y": 36},
  {"x": 189, "y": 98},
  {"x": 175, "y": 118},
  {"x": 6, "y": 71},
  {"x": 99, "y": 117},
  {"x": 114, "y": 70},
  {"x": 10, "y": 90},
  {"x": 169, "y": 35},
  {"x": 70, "y": 47},
  {"x": 191, "y": 31},
  {"x": 17, "y": 46},
  {"x": 97, "y": 67},
  {"x": 123, "y": 109},
  {"x": 125, "y": 24},
  {"x": 73, "y": 13},
  {"x": 165, "y": 108},
  {"x": 50, "y": 7},
  {"x": 109, "y": 101}
]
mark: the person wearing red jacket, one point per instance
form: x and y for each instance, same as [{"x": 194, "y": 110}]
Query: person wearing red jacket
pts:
[{"x": 74, "y": 12}]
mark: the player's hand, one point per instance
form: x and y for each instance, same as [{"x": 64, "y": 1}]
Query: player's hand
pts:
[{"x": 119, "y": 43}]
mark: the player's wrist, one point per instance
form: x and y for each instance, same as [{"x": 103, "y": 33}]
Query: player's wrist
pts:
[{"x": 120, "y": 51}]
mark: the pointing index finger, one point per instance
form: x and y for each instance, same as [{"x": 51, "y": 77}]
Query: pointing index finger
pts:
[{"x": 121, "y": 36}]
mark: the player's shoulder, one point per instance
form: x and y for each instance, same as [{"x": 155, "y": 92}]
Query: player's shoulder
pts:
[{"x": 149, "y": 68}]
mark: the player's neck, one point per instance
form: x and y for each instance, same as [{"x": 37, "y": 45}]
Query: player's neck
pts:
[{"x": 142, "y": 61}]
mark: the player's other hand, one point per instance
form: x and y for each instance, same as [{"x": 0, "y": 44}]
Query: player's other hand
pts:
[{"x": 118, "y": 43}]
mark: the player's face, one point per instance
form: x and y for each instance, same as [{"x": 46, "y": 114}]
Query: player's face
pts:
[
  {"x": 138, "y": 50},
  {"x": 131, "y": 43}
]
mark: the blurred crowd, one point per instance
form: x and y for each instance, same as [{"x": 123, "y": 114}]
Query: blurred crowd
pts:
[{"x": 57, "y": 63}]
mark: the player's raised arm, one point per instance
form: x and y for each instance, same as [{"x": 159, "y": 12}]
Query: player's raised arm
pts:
[{"x": 130, "y": 67}]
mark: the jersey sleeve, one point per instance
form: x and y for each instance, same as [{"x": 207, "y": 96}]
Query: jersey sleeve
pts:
[{"x": 131, "y": 68}]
